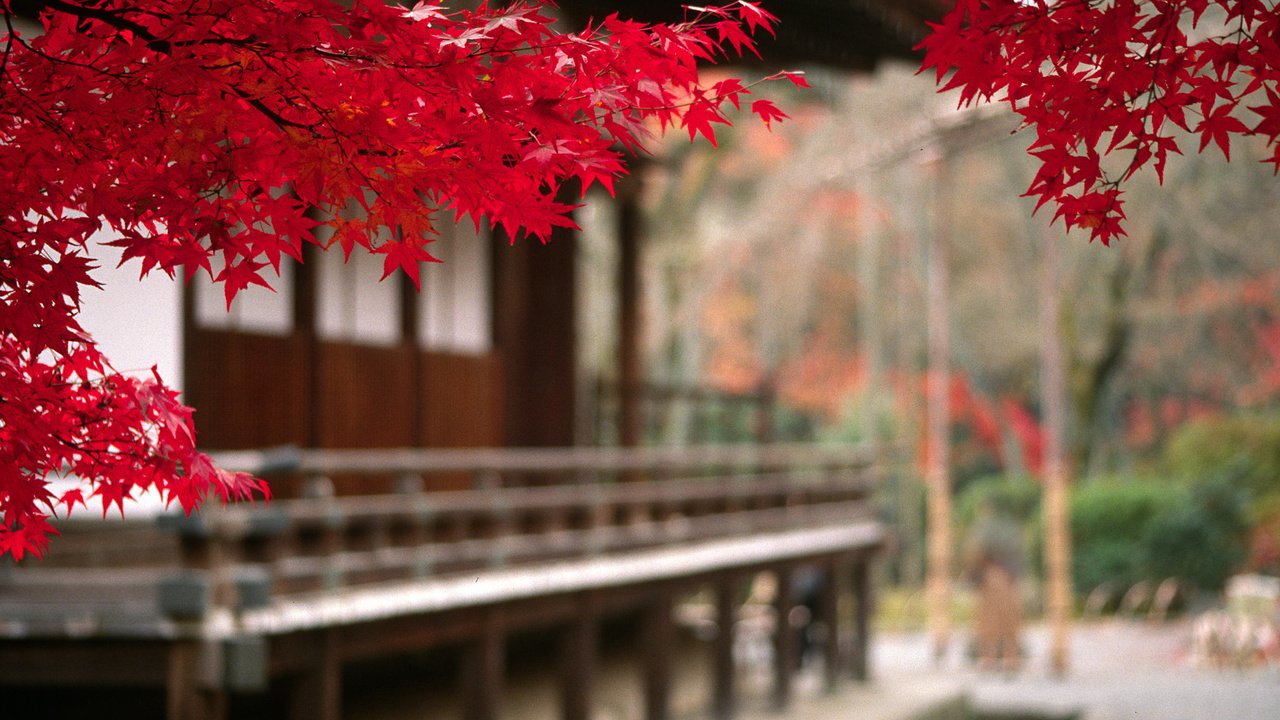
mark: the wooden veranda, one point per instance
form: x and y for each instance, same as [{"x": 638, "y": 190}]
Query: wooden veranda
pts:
[{"x": 249, "y": 598}]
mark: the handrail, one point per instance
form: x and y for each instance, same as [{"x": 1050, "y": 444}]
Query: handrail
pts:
[{"x": 611, "y": 459}]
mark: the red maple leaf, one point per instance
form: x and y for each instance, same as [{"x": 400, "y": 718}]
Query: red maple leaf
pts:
[
  {"x": 1095, "y": 79},
  {"x": 767, "y": 111}
]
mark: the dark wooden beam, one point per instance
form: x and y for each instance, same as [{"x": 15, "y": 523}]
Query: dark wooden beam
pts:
[
  {"x": 484, "y": 669},
  {"x": 580, "y": 661},
  {"x": 317, "y": 690},
  {"x": 784, "y": 638},
  {"x": 630, "y": 372},
  {"x": 410, "y": 340},
  {"x": 840, "y": 34},
  {"x": 95, "y": 663},
  {"x": 833, "y": 650},
  {"x": 306, "y": 294},
  {"x": 658, "y": 648},
  {"x": 862, "y": 596},
  {"x": 187, "y": 695},
  {"x": 724, "y": 701},
  {"x": 536, "y": 334}
]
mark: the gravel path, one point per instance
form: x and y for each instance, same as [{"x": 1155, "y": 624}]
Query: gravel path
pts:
[{"x": 1120, "y": 670}]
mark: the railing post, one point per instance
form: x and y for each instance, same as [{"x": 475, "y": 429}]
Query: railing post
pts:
[
  {"x": 264, "y": 547},
  {"x": 202, "y": 582},
  {"x": 333, "y": 525},
  {"x": 226, "y": 561},
  {"x": 416, "y": 519}
]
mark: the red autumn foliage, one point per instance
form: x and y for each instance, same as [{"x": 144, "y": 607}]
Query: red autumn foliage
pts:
[
  {"x": 1112, "y": 87},
  {"x": 209, "y": 137}
]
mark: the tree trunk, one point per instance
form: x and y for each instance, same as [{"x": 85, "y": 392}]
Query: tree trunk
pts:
[
  {"x": 1057, "y": 545},
  {"x": 937, "y": 463}
]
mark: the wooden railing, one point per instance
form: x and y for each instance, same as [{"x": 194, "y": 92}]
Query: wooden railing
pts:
[
  {"x": 691, "y": 414},
  {"x": 524, "y": 507}
]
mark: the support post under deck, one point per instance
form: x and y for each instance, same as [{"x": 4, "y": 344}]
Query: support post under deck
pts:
[
  {"x": 658, "y": 648},
  {"x": 834, "y": 649},
  {"x": 317, "y": 691},
  {"x": 579, "y": 657},
  {"x": 784, "y": 639},
  {"x": 724, "y": 700},
  {"x": 483, "y": 671},
  {"x": 185, "y": 698},
  {"x": 858, "y": 661}
]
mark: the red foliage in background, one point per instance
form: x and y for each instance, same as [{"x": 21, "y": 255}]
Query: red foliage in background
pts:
[
  {"x": 210, "y": 136},
  {"x": 1108, "y": 86}
]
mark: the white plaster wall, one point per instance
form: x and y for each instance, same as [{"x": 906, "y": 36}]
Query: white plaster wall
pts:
[
  {"x": 352, "y": 304},
  {"x": 454, "y": 310},
  {"x": 136, "y": 323},
  {"x": 255, "y": 309}
]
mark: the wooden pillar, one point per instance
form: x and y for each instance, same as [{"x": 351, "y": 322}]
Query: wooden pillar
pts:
[
  {"x": 186, "y": 694},
  {"x": 724, "y": 702},
  {"x": 317, "y": 691},
  {"x": 630, "y": 426},
  {"x": 785, "y": 647},
  {"x": 833, "y": 651},
  {"x": 858, "y": 655},
  {"x": 535, "y": 303},
  {"x": 306, "y": 296},
  {"x": 410, "y": 341},
  {"x": 580, "y": 661},
  {"x": 483, "y": 671},
  {"x": 658, "y": 648}
]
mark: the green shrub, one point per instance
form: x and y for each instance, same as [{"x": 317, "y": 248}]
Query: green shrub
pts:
[
  {"x": 1111, "y": 520},
  {"x": 1241, "y": 456},
  {"x": 1184, "y": 543},
  {"x": 1243, "y": 450},
  {"x": 1125, "y": 531}
]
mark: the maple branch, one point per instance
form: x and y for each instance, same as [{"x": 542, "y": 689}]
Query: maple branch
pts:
[
  {"x": 72, "y": 63},
  {"x": 113, "y": 19},
  {"x": 163, "y": 47},
  {"x": 46, "y": 118},
  {"x": 8, "y": 45}
]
